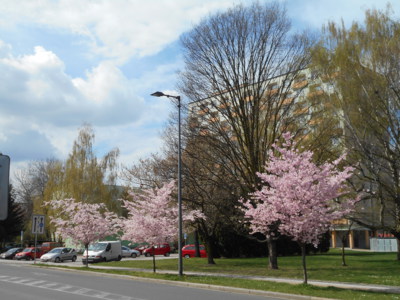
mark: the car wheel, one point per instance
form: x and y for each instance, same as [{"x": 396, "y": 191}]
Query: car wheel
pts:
[
  {"x": 147, "y": 255},
  {"x": 73, "y": 258},
  {"x": 57, "y": 260},
  {"x": 133, "y": 255},
  {"x": 119, "y": 258},
  {"x": 28, "y": 258},
  {"x": 187, "y": 256},
  {"x": 105, "y": 259},
  {"x": 166, "y": 254}
]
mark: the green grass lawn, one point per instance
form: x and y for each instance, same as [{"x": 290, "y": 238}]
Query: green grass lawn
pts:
[{"x": 363, "y": 267}]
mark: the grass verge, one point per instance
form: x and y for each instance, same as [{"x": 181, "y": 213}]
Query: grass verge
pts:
[
  {"x": 363, "y": 267},
  {"x": 298, "y": 289}
]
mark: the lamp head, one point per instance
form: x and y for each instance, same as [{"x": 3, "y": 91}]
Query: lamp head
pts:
[{"x": 158, "y": 94}]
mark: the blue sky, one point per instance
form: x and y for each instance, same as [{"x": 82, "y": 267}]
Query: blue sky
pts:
[{"x": 66, "y": 62}]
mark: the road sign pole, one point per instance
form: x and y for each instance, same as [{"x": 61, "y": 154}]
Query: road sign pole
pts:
[
  {"x": 4, "y": 185},
  {"x": 34, "y": 253}
]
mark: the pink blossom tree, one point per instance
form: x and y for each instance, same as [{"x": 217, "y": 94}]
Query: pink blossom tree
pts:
[
  {"x": 84, "y": 223},
  {"x": 153, "y": 216},
  {"x": 300, "y": 196}
]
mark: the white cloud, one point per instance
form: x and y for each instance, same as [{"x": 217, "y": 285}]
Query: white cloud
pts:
[
  {"x": 42, "y": 107},
  {"x": 117, "y": 29}
]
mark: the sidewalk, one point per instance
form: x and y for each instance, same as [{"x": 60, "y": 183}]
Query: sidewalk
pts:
[{"x": 342, "y": 285}]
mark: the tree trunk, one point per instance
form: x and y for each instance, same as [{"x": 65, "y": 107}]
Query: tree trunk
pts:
[
  {"x": 343, "y": 253},
  {"x": 87, "y": 255},
  {"x": 303, "y": 258},
  {"x": 154, "y": 259},
  {"x": 196, "y": 244},
  {"x": 272, "y": 254},
  {"x": 398, "y": 248},
  {"x": 343, "y": 257},
  {"x": 210, "y": 251}
]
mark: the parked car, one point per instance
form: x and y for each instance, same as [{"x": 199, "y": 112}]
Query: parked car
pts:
[
  {"x": 8, "y": 247},
  {"x": 161, "y": 249},
  {"x": 141, "y": 248},
  {"x": 128, "y": 252},
  {"x": 47, "y": 246},
  {"x": 59, "y": 255},
  {"x": 29, "y": 253},
  {"x": 9, "y": 254},
  {"x": 103, "y": 251},
  {"x": 190, "y": 251}
]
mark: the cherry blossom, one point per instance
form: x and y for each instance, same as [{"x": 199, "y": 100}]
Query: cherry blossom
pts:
[
  {"x": 300, "y": 196},
  {"x": 83, "y": 222}
]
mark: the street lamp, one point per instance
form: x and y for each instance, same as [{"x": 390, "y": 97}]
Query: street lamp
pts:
[{"x": 180, "y": 265}]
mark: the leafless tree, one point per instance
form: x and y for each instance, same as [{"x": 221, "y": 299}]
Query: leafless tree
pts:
[{"x": 242, "y": 76}]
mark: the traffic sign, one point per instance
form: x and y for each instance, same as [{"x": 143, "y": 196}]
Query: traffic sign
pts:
[
  {"x": 4, "y": 185},
  {"x": 38, "y": 224}
]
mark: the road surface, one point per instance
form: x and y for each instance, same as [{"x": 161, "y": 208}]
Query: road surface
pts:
[{"x": 22, "y": 282}]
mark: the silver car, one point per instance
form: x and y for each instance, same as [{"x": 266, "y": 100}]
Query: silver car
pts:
[
  {"x": 59, "y": 254},
  {"x": 127, "y": 252}
]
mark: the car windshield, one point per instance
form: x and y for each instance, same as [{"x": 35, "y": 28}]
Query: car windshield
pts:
[
  {"x": 27, "y": 250},
  {"x": 12, "y": 250},
  {"x": 97, "y": 247},
  {"x": 55, "y": 250}
]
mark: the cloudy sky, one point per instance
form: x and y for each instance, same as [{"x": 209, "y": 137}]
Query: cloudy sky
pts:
[{"x": 67, "y": 62}]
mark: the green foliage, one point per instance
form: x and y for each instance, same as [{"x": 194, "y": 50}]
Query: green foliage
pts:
[
  {"x": 82, "y": 176},
  {"x": 361, "y": 64},
  {"x": 14, "y": 224}
]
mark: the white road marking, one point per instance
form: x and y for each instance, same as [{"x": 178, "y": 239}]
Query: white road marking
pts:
[{"x": 65, "y": 288}]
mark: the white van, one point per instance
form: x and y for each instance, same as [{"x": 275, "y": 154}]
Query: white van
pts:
[{"x": 103, "y": 251}]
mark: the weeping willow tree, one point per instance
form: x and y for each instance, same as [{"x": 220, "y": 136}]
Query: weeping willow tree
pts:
[{"x": 81, "y": 176}]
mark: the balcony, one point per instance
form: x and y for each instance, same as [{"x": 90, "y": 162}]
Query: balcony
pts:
[
  {"x": 271, "y": 92},
  {"x": 204, "y": 132},
  {"x": 301, "y": 111},
  {"x": 299, "y": 84},
  {"x": 288, "y": 101},
  {"x": 203, "y": 111},
  {"x": 315, "y": 93}
]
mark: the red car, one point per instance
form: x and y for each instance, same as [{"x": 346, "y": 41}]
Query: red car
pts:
[
  {"x": 29, "y": 253},
  {"x": 140, "y": 249},
  {"x": 161, "y": 249},
  {"x": 189, "y": 251}
]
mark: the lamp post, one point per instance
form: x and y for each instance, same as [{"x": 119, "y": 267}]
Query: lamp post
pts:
[{"x": 180, "y": 265}]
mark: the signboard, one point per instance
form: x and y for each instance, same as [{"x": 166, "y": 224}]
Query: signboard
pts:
[
  {"x": 4, "y": 185},
  {"x": 38, "y": 224}
]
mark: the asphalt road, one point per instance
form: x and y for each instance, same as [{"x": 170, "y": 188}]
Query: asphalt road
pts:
[{"x": 18, "y": 281}]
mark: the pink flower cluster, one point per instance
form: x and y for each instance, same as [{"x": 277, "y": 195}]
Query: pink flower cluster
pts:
[
  {"x": 153, "y": 216},
  {"x": 83, "y": 222},
  {"x": 299, "y": 196}
]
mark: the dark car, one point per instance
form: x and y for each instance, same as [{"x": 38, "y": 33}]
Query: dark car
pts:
[
  {"x": 9, "y": 254},
  {"x": 190, "y": 250},
  {"x": 8, "y": 247}
]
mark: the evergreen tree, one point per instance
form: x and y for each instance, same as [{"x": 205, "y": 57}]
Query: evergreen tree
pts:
[{"x": 14, "y": 224}]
